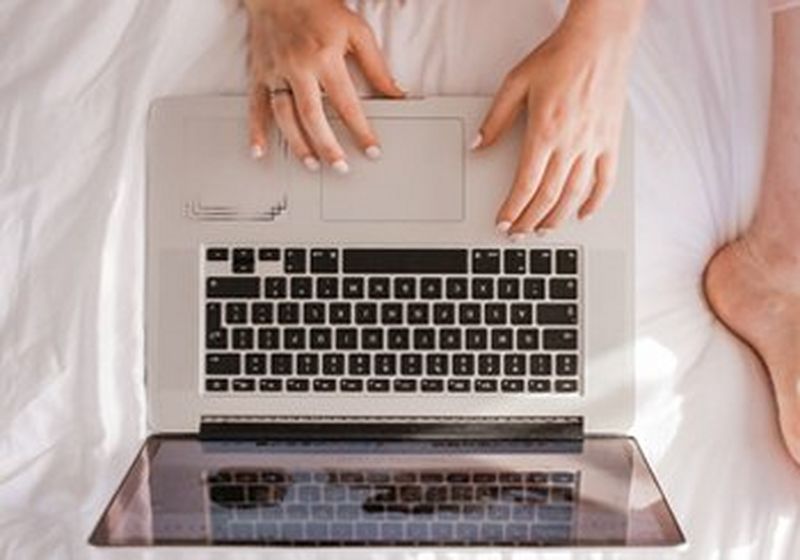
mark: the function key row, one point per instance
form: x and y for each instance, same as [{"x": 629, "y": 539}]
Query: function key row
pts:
[{"x": 400, "y": 261}]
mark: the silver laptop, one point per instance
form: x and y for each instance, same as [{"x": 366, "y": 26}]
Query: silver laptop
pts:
[{"x": 362, "y": 360}]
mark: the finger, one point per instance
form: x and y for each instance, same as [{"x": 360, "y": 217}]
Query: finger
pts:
[
  {"x": 605, "y": 174},
  {"x": 369, "y": 56},
  {"x": 308, "y": 103},
  {"x": 507, "y": 104},
  {"x": 534, "y": 157},
  {"x": 286, "y": 119},
  {"x": 546, "y": 197},
  {"x": 259, "y": 117},
  {"x": 576, "y": 185},
  {"x": 343, "y": 97}
]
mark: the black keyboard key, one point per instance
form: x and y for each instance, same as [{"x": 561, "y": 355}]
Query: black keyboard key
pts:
[
  {"x": 405, "y": 288},
  {"x": 463, "y": 364},
  {"x": 430, "y": 288},
  {"x": 378, "y": 287},
  {"x": 557, "y": 313},
  {"x": 288, "y": 313},
  {"x": 243, "y": 385},
  {"x": 325, "y": 261},
  {"x": 539, "y": 385},
  {"x": 353, "y": 287},
  {"x": 294, "y": 261},
  {"x": 512, "y": 385},
  {"x": 450, "y": 339},
  {"x": 458, "y": 385},
  {"x": 324, "y": 385},
  {"x": 372, "y": 339},
  {"x": 244, "y": 287},
  {"x": 411, "y": 364},
  {"x": 476, "y": 339},
  {"x": 280, "y": 364},
  {"x": 378, "y": 386},
  {"x": 405, "y": 261},
  {"x": 255, "y": 364},
  {"x": 469, "y": 313},
  {"x": 340, "y": 313},
  {"x": 244, "y": 261},
  {"x": 541, "y": 261},
  {"x": 261, "y": 313},
  {"x": 486, "y": 261},
  {"x": 351, "y": 385},
  {"x": 297, "y": 385},
  {"x": 436, "y": 364},
  {"x": 217, "y": 339},
  {"x": 527, "y": 339},
  {"x": 508, "y": 288},
  {"x": 566, "y": 385},
  {"x": 320, "y": 339},
  {"x": 216, "y": 385},
  {"x": 333, "y": 364},
  {"x": 541, "y": 364},
  {"x": 482, "y": 288},
  {"x": 424, "y": 339},
  {"x": 366, "y": 313},
  {"x": 236, "y": 313},
  {"x": 385, "y": 364},
  {"x": 495, "y": 314},
  {"x": 456, "y": 288},
  {"x": 213, "y": 316},
  {"x": 567, "y": 261},
  {"x": 294, "y": 339},
  {"x": 346, "y": 339},
  {"x": 432, "y": 385},
  {"x": 269, "y": 254},
  {"x": 358, "y": 364},
  {"x": 502, "y": 339},
  {"x": 514, "y": 364},
  {"x": 274, "y": 287},
  {"x": 300, "y": 287},
  {"x": 398, "y": 339},
  {"x": 216, "y": 254},
  {"x": 223, "y": 364},
  {"x": 563, "y": 288},
  {"x": 489, "y": 364},
  {"x": 307, "y": 364},
  {"x": 314, "y": 313},
  {"x": 391, "y": 313},
  {"x": 486, "y": 385},
  {"x": 521, "y": 314},
  {"x": 327, "y": 287},
  {"x": 418, "y": 313},
  {"x": 269, "y": 339},
  {"x": 560, "y": 339},
  {"x": 270, "y": 385},
  {"x": 533, "y": 288},
  {"x": 405, "y": 385},
  {"x": 242, "y": 338},
  {"x": 514, "y": 261},
  {"x": 444, "y": 313},
  {"x": 567, "y": 364}
]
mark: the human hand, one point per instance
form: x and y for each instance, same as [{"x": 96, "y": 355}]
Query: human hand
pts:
[
  {"x": 297, "y": 49},
  {"x": 573, "y": 87}
]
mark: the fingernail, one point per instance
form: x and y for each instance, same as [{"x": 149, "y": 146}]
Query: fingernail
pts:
[
  {"x": 515, "y": 237},
  {"x": 340, "y": 166},
  {"x": 476, "y": 143},
  {"x": 503, "y": 227},
  {"x": 311, "y": 163},
  {"x": 373, "y": 152},
  {"x": 256, "y": 151},
  {"x": 401, "y": 87}
]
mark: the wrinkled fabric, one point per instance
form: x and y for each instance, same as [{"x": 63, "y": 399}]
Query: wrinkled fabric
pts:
[{"x": 76, "y": 80}]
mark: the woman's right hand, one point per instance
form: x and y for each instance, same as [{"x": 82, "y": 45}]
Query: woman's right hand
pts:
[{"x": 297, "y": 50}]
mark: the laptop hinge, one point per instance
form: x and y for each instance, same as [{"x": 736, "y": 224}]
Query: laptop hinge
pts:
[{"x": 391, "y": 428}]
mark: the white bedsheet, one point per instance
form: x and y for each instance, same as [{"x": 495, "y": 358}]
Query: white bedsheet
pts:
[{"x": 76, "y": 79}]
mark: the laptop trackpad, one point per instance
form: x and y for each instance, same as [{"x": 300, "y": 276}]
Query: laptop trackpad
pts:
[{"x": 420, "y": 176}]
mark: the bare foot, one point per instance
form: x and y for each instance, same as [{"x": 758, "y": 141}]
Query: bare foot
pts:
[{"x": 758, "y": 299}]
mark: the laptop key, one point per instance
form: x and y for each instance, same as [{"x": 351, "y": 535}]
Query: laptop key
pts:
[
  {"x": 307, "y": 364},
  {"x": 242, "y": 339},
  {"x": 436, "y": 364},
  {"x": 217, "y": 339},
  {"x": 527, "y": 339},
  {"x": 469, "y": 313},
  {"x": 223, "y": 364},
  {"x": 314, "y": 313},
  {"x": 521, "y": 314},
  {"x": 339, "y": 313},
  {"x": 567, "y": 364},
  {"x": 456, "y": 288},
  {"x": 244, "y": 385},
  {"x": 216, "y": 385},
  {"x": 327, "y": 287},
  {"x": 567, "y": 261},
  {"x": 482, "y": 288},
  {"x": 405, "y": 288},
  {"x": 216, "y": 254},
  {"x": 514, "y": 261},
  {"x": 385, "y": 364},
  {"x": 294, "y": 339},
  {"x": 372, "y": 339},
  {"x": 378, "y": 385},
  {"x": 512, "y": 385},
  {"x": 458, "y": 385},
  {"x": 324, "y": 385},
  {"x": 541, "y": 261},
  {"x": 301, "y": 287},
  {"x": 566, "y": 385},
  {"x": 514, "y": 364},
  {"x": 411, "y": 364},
  {"x": 533, "y": 288},
  {"x": 539, "y": 385},
  {"x": 476, "y": 339},
  {"x": 541, "y": 364},
  {"x": 450, "y": 339},
  {"x": 351, "y": 385},
  {"x": 495, "y": 314},
  {"x": 261, "y": 313},
  {"x": 417, "y": 313},
  {"x": 320, "y": 339},
  {"x": 236, "y": 313},
  {"x": 432, "y": 385},
  {"x": 358, "y": 364},
  {"x": 378, "y": 287},
  {"x": 489, "y": 364},
  {"x": 405, "y": 385},
  {"x": 255, "y": 364},
  {"x": 486, "y": 385},
  {"x": 269, "y": 339},
  {"x": 244, "y": 261},
  {"x": 463, "y": 364},
  {"x": 430, "y": 288},
  {"x": 391, "y": 313},
  {"x": 213, "y": 316},
  {"x": 563, "y": 288},
  {"x": 346, "y": 339},
  {"x": 274, "y": 287},
  {"x": 560, "y": 339},
  {"x": 280, "y": 364},
  {"x": 353, "y": 287},
  {"x": 366, "y": 313},
  {"x": 485, "y": 261},
  {"x": 398, "y": 339},
  {"x": 424, "y": 339},
  {"x": 508, "y": 288},
  {"x": 297, "y": 385},
  {"x": 294, "y": 261},
  {"x": 325, "y": 261},
  {"x": 557, "y": 313},
  {"x": 333, "y": 364},
  {"x": 502, "y": 339},
  {"x": 269, "y": 254},
  {"x": 444, "y": 314},
  {"x": 244, "y": 287}
]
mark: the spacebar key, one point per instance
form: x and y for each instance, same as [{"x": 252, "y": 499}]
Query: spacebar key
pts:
[{"x": 405, "y": 261}]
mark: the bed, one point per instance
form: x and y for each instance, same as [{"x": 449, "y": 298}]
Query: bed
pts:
[{"x": 76, "y": 81}]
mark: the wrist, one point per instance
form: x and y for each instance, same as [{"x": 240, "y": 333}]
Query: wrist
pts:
[{"x": 604, "y": 22}]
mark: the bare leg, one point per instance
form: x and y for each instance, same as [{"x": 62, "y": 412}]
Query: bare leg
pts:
[{"x": 753, "y": 283}]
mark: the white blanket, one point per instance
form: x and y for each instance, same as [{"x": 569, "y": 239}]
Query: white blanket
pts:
[{"x": 76, "y": 79}]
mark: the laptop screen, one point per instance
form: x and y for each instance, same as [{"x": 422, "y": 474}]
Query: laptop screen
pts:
[{"x": 591, "y": 492}]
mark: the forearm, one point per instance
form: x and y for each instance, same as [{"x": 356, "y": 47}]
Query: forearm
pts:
[{"x": 617, "y": 21}]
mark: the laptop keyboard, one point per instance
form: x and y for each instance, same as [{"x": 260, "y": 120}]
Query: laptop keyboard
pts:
[
  {"x": 392, "y": 506},
  {"x": 396, "y": 321}
]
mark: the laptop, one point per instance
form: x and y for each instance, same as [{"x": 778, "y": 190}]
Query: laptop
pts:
[{"x": 362, "y": 360}]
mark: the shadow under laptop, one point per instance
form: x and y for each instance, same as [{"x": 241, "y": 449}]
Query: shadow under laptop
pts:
[{"x": 594, "y": 491}]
